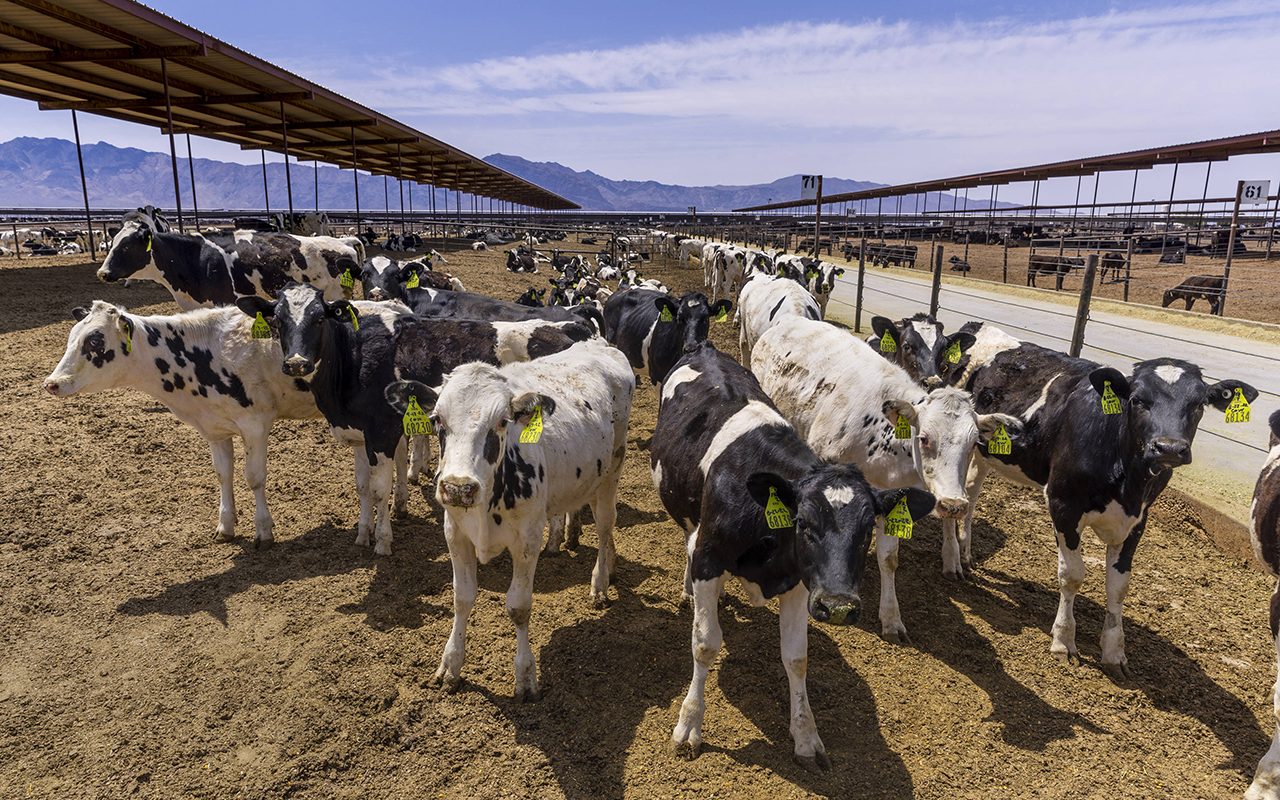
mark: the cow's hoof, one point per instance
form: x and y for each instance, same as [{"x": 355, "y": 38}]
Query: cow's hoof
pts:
[
  {"x": 599, "y": 599},
  {"x": 817, "y": 763},
  {"x": 219, "y": 536},
  {"x": 528, "y": 695},
  {"x": 1119, "y": 673},
  {"x": 896, "y": 636},
  {"x": 400, "y": 512},
  {"x": 549, "y": 552},
  {"x": 1070, "y": 659},
  {"x": 685, "y": 751},
  {"x": 263, "y": 544},
  {"x": 447, "y": 681},
  {"x": 413, "y": 479},
  {"x": 954, "y": 577}
]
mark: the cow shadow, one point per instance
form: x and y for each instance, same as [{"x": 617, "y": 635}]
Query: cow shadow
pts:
[
  {"x": 39, "y": 295},
  {"x": 392, "y": 599}
]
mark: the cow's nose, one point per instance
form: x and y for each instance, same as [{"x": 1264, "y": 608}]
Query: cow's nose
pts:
[
  {"x": 297, "y": 366},
  {"x": 951, "y": 508},
  {"x": 459, "y": 492},
  {"x": 836, "y": 609},
  {"x": 933, "y": 382},
  {"x": 106, "y": 277},
  {"x": 377, "y": 294},
  {"x": 1170, "y": 452},
  {"x": 51, "y": 387}
]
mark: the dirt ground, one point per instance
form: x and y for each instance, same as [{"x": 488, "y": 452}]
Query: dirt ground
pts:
[{"x": 141, "y": 659}]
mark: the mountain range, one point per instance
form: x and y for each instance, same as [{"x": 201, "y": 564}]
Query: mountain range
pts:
[{"x": 44, "y": 173}]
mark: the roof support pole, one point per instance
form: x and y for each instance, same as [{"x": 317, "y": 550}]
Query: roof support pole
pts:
[
  {"x": 1093, "y": 209},
  {"x": 1168, "y": 212},
  {"x": 316, "y": 165},
  {"x": 355, "y": 174},
  {"x": 1133, "y": 197},
  {"x": 266, "y": 195},
  {"x": 1200, "y": 222},
  {"x": 288, "y": 178},
  {"x": 400, "y": 183},
  {"x": 173, "y": 149},
  {"x": 84, "y": 189},
  {"x": 195, "y": 206}
]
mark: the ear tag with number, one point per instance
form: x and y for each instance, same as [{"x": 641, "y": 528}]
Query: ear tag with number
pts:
[
  {"x": 953, "y": 353},
  {"x": 148, "y": 243},
  {"x": 533, "y": 430},
  {"x": 898, "y": 523},
  {"x": 1110, "y": 403},
  {"x": 355, "y": 322},
  {"x": 887, "y": 344},
  {"x": 775, "y": 513},
  {"x": 413, "y": 282},
  {"x": 665, "y": 316},
  {"x": 1238, "y": 411},
  {"x": 260, "y": 329},
  {"x": 902, "y": 428},
  {"x": 346, "y": 279},
  {"x": 722, "y": 315},
  {"x": 128, "y": 348},
  {"x": 416, "y": 421},
  {"x": 1000, "y": 444}
]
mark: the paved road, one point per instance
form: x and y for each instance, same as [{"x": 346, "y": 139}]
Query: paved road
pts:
[{"x": 1227, "y": 457}]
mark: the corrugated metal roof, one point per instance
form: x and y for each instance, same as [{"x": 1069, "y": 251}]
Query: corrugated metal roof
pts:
[{"x": 104, "y": 57}]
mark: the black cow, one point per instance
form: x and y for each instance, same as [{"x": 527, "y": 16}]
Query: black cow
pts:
[
  {"x": 385, "y": 278},
  {"x": 444, "y": 304},
  {"x": 532, "y": 297},
  {"x": 1264, "y": 528},
  {"x": 1058, "y": 266},
  {"x": 1102, "y": 445},
  {"x": 920, "y": 347},
  {"x": 1198, "y": 287},
  {"x": 959, "y": 265},
  {"x": 350, "y": 359},
  {"x": 758, "y": 505},
  {"x": 669, "y": 326}
]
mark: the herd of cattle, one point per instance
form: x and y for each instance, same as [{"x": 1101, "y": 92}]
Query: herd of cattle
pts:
[{"x": 782, "y": 468}]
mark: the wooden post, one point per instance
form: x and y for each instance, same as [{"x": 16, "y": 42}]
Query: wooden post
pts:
[
  {"x": 1082, "y": 312},
  {"x": 937, "y": 281},
  {"x": 1128, "y": 266},
  {"x": 17, "y": 246},
  {"x": 862, "y": 272},
  {"x": 1231, "y": 249}
]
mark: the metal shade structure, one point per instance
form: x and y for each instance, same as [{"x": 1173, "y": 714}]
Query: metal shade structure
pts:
[
  {"x": 120, "y": 59},
  {"x": 1210, "y": 150}
]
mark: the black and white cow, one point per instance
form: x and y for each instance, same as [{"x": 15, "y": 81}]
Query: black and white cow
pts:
[
  {"x": 1264, "y": 527},
  {"x": 215, "y": 269},
  {"x": 520, "y": 263},
  {"x": 1097, "y": 469},
  {"x": 757, "y": 504},
  {"x": 845, "y": 401},
  {"x": 919, "y": 346},
  {"x": 532, "y": 297},
  {"x": 634, "y": 323},
  {"x": 767, "y": 300},
  {"x": 384, "y": 278},
  {"x": 820, "y": 279},
  {"x": 498, "y": 491},
  {"x": 348, "y": 368},
  {"x": 445, "y": 304}
]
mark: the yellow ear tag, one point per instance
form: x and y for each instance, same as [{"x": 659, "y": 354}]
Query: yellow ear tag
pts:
[
  {"x": 416, "y": 422},
  {"x": 355, "y": 322},
  {"x": 128, "y": 348},
  {"x": 148, "y": 243},
  {"x": 1238, "y": 411},
  {"x": 346, "y": 279},
  {"x": 898, "y": 523},
  {"x": 1110, "y": 403},
  {"x": 260, "y": 329},
  {"x": 1000, "y": 444},
  {"x": 902, "y": 428},
  {"x": 953, "y": 353},
  {"x": 722, "y": 315},
  {"x": 413, "y": 282},
  {"x": 533, "y": 430},
  {"x": 887, "y": 344},
  {"x": 775, "y": 513},
  {"x": 665, "y": 316}
]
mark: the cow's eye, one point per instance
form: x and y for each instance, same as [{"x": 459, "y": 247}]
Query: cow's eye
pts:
[
  {"x": 925, "y": 442},
  {"x": 96, "y": 341},
  {"x": 502, "y": 424},
  {"x": 1138, "y": 403}
]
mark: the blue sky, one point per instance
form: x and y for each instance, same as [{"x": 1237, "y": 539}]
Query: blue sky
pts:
[{"x": 745, "y": 92}]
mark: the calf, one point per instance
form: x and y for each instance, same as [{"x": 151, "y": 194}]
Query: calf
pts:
[
  {"x": 498, "y": 483},
  {"x": 757, "y": 504},
  {"x": 1198, "y": 287},
  {"x": 820, "y": 280},
  {"x": 1058, "y": 266},
  {"x": 520, "y": 263},
  {"x": 384, "y": 278},
  {"x": 1264, "y": 526},
  {"x": 764, "y": 302},
  {"x": 846, "y": 401},
  {"x": 959, "y": 265},
  {"x": 348, "y": 366},
  {"x": 653, "y": 328},
  {"x": 1113, "y": 263},
  {"x": 1101, "y": 445},
  {"x": 918, "y": 345},
  {"x": 532, "y": 297}
]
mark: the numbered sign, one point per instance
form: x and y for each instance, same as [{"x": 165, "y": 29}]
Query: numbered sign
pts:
[
  {"x": 693, "y": 210},
  {"x": 1254, "y": 193},
  {"x": 809, "y": 186}
]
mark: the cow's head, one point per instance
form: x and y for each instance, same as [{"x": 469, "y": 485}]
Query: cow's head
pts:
[
  {"x": 131, "y": 250},
  {"x": 945, "y": 430},
  {"x": 833, "y": 512},
  {"x": 1162, "y": 403},
  {"x": 98, "y": 351},
  {"x": 381, "y": 278},
  {"x": 299, "y": 317},
  {"x": 920, "y": 347},
  {"x": 691, "y": 315},
  {"x": 827, "y": 275}
]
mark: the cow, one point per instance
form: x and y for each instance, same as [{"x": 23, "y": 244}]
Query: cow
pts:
[
  {"x": 959, "y": 265},
  {"x": 215, "y": 269},
  {"x": 532, "y": 297},
  {"x": 1264, "y": 529},
  {"x": 445, "y": 304},
  {"x": 1198, "y": 287},
  {"x": 764, "y": 302},
  {"x": 1058, "y": 266},
  {"x": 851, "y": 405},
  {"x": 728, "y": 264},
  {"x": 520, "y": 444},
  {"x": 820, "y": 280},
  {"x": 385, "y": 278},
  {"x": 918, "y": 345},
  {"x": 690, "y": 247},
  {"x": 653, "y": 328},
  {"x": 479, "y": 246},
  {"x": 757, "y": 504},
  {"x": 1100, "y": 444},
  {"x": 1113, "y": 263},
  {"x": 348, "y": 359},
  {"x": 520, "y": 262}
]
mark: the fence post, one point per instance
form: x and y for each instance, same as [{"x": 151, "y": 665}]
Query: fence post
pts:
[
  {"x": 937, "y": 281},
  {"x": 862, "y": 271},
  {"x": 1231, "y": 249},
  {"x": 1082, "y": 313},
  {"x": 1128, "y": 266},
  {"x": 1005, "y": 279},
  {"x": 17, "y": 246}
]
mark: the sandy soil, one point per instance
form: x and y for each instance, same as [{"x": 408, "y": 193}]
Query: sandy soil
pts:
[{"x": 141, "y": 659}]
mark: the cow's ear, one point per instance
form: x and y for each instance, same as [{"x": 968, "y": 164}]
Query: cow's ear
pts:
[
  {"x": 399, "y": 392},
  {"x": 944, "y": 362},
  {"x": 900, "y": 408},
  {"x": 406, "y": 272},
  {"x": 1119, "y": 383},
  {"x": 988, "y": 424},
  {"x": 521, "y": 408},
  {"x": 919, "y": 502},
  {"x": 254, "y": 305},
  {"x": 1274, "y": 422},
  {"x": 340, "y": 310},
  {"x": 839, "y": 273},
  {"x": 1221, "y": 393},
  {"x": 665, "y": 304},
  {"x": 725, "y": 305},
  {"x": 760, "y": 484},
  {"x": 79, "y": 313},
  {"x": 881, "y": 324}
]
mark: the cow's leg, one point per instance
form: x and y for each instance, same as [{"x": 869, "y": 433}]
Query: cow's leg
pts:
[
  {"x": 1070, "y": 579},
  {"x": 793, "y": 623},
  {"x": 962, "y": 564},
  {"x": 401, "y": 506},
  {"x": 555, "y": 535},
  {"x": 365, "y": 526},
  {"x": 224, "y": 462},
  {"x": 573, "y": 525},
  {"x": 1266, "y": 780},
  {"x": 686, "y": 739},
  {"x": 1119, "y": 571},
  {"x": 524, "y": 560},
  {"x": 891, "y": 627},
  {"x": 419, "y": 457},
  {"x": 381, "y": 479},
  {"x": 462, "y": 553},
  {"x": 605, "y": 509},
  {"x": 255, "y": 474}
]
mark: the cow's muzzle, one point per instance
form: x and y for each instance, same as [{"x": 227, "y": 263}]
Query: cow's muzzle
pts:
[
  {"x": 377, "y": 295},
  {"x": 53, "y": 387},
  {"x": 1167, "y": 452},
  {"x": 105, "y": 276},
  {"x": 297, "y": 366},
  {"x": 458, "y": 493},
  {"x": 835, "y": 609}
]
